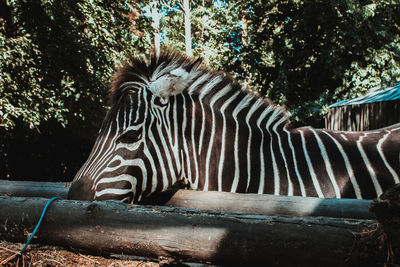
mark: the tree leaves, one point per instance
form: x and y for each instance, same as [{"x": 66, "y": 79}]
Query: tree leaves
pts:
[
  {"x": 59, "y": 62},
  {"x": 306, "y": 55}
]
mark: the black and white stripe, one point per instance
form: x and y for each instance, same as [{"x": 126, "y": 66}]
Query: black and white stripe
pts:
[{"x": 172, "y": 119}]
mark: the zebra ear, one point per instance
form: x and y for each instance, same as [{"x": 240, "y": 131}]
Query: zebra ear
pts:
[
  {"x": 176, "y": 81},
  {"x": 171, "y": 84}
]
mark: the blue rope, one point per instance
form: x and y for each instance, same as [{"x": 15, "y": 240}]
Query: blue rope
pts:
[{"x": 38, "y": 224}]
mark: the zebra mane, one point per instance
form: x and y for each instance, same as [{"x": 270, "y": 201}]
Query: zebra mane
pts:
[
  {"x": 143, "y": 72},
  {"x": 182, "y": 70}
]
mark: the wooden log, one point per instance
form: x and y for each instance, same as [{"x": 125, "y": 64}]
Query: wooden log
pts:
[
  {"x": 33, "y": 189},
  {"x": 222, "y": 201},
  {"x": 185, "y": 234},
  {"x": 266, "y": 204}
]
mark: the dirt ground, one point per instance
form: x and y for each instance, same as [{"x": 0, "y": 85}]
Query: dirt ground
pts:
[{"x": 50, "y": 256}]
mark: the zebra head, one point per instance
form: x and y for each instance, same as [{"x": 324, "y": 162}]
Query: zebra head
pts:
[{"x": 137, "y": 142}]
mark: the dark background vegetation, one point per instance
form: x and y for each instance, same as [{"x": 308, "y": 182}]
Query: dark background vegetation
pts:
[{"x": 57, "y": 57}]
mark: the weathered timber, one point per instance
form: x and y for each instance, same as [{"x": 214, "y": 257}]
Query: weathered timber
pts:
[
  {"x": 222, "y": 201},
  {"x": 33, "y": 189},
  {"x": 267, "y": 204},
  {"x": 185, "y": 234}
]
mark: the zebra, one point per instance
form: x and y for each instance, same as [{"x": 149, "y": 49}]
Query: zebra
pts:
[{"x": 173, "y": 119}]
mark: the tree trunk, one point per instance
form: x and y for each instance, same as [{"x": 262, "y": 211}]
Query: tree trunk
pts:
[
  {"x": 155, "y": 15},
  {"x": 188, "y": 31},
  {"x": 185, "y": 234}
]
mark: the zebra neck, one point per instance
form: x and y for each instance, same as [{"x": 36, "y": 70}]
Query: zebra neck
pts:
[{"x": 216, "y": 130}]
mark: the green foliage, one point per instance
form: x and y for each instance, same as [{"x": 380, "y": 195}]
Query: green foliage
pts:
[
  {"x": 57, "y": 58},
  {"x": 306, "y": 55},
  {"x": 210, "y": 26},
  {"x": 18, "y": 70},
  {"x": 58, "y": 62}
]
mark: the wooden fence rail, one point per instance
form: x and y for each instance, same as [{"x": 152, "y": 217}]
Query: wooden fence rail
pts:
[
  {"x": 187, "y": 234},
  {"x": 221, "y": 201},
  {"x": 212, "y": 227}
]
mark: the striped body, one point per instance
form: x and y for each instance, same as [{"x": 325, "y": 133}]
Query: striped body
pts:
[{"x": 173, "y": 120}]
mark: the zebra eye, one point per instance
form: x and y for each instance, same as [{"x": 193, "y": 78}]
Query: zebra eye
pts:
[{"x": 129, "y": 137}]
